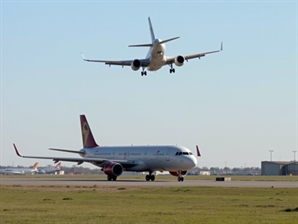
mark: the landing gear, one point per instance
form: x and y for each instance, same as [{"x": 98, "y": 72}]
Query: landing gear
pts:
[
  {"x": 111, "y": 178},
  {"x": 172, "y": 70},
  {"x": 150, "y": 177},
  {"x": 180, "y": 177},
  {"x": 143, "y": 72}
]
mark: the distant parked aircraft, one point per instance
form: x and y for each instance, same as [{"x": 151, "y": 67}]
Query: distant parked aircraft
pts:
[
  {"x": 114, "y": 160},
  {"x": 155, "y": 57},
  {"x": 49, "y": 170},
  {"x": 19, "y": 171}
]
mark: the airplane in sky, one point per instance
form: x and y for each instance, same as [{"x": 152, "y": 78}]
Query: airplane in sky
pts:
[
  {"x": 19, "y": 171},
  {"x": 50, "y": 170},
  {"x": 114, "y": 160},
  {"x": 155, "y": 57}
]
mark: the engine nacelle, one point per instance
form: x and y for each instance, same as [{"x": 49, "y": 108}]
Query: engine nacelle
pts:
[
  {"x": 135, "y": 65},
  {"x": 113, "y": 169},
  {"x": 179, "y": 60},
  {"x": 176, "y": 174}
]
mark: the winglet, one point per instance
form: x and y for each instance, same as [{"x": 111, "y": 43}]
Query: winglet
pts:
[
  {"x": 221, "y": 46},
  {"x": 198, "y": 151},
  {"x": 17, "y": 152},
  {"x": 83, "y": 57}
]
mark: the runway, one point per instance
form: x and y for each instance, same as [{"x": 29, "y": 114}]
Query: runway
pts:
[{"x": 31, "y": 181}]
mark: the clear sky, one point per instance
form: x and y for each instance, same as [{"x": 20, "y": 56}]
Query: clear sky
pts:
[{"x": 236, "y": 105}]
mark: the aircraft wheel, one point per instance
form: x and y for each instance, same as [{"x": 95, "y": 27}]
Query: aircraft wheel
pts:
[
  {"x": 145, "y": 73},
  {"x": 147, "y": 177},
  {"x": 173, "y": 70},
  {"x": 152, "y": 177},
  {"x": 109, "y": 178},
  {"x": 114, "y": 178}
]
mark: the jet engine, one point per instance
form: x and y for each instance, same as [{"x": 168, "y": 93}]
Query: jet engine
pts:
[
  {"x": 135, "y": 65},
  {"x": 176, "y": 174},
  {"x": 179, "y": 60},
  {"x": 113, "y": 169}
]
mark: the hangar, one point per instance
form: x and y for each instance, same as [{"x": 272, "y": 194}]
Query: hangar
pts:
[{"x": 279, "y": 168}]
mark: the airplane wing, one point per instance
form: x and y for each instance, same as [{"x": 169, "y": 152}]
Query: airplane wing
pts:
[
  {"x": 191, "y": 56},
  {"x": 144, "y": 62},
  {"x": 96, "y": 161}
]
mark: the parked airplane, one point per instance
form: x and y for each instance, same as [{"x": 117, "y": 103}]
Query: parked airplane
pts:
[
  {"x": 19, "y": 171},
  {"x": 114, "y": 160},
  {"x": 49, "y": 170},
  {"x": 155, "y": 57}
]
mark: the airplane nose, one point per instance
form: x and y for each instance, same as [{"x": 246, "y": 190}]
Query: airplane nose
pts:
[
  {"x": 191, "y": 162},
  {"x": 194, "y": 160}
]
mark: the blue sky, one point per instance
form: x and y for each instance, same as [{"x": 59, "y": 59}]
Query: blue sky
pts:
[{"x": 236, "y": 105}]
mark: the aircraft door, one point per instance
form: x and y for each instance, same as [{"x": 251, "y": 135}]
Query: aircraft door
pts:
[{"x": 168, "y": 153}]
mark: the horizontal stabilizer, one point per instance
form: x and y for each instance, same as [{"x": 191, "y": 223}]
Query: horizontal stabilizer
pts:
[
  {"x": 164, "y": 41},
  {"x": 141, "y": 45}
]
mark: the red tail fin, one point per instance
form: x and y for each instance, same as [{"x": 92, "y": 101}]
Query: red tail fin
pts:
[
  {"x": 58, "y": 166},
  {"x": 198, "y": 151},
  {"x": 88, "y": 140}
]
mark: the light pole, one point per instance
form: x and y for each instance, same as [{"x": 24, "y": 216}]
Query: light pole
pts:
[
  {"x": 294, "y": 155},
  {"x": 271, "y": 151}
]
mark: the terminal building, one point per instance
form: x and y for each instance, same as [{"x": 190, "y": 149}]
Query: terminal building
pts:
[{"x": 279, "y": 168}]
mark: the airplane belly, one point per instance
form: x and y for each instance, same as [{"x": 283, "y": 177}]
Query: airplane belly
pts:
[{"x": 156, "y": 63}]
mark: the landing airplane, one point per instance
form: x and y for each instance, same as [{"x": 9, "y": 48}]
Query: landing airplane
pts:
[
  {"x": 116, "y": 159},
  {"x": 155, "y": 57},
  {"x": 19, "y": 171},
  {"x": 50, "y": 170}
]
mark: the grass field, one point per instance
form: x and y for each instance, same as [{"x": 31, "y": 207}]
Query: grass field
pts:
[{"x": 97, "y": 204}]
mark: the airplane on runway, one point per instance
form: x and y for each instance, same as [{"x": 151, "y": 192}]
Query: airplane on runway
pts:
[
  {"x": 50, "y": 170},
  {"x": 155, "y": 57},
  {"x": 114, "y": 160},
  {"x": 19, "y": 171}
]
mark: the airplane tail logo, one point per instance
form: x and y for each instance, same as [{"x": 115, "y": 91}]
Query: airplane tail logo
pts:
[
  {"x": 35, "y": 166},
  {"x": 88, "y": 139},
  {"x": 58, "y": 166}
]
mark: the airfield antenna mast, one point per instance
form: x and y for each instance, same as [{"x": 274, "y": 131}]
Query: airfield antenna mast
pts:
[
  {"x": 294, "y": 155},
  {"x": 271, "y": 151}
]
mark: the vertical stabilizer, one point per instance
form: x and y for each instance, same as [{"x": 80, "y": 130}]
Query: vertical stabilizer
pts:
[
  {"x": 198, "y": 151},
  {"x": 151, "y": 30},
  {"x": 58, "y": 166},
  {"x": 35, "y": 166},
  {"x": 88, "y": 140}
]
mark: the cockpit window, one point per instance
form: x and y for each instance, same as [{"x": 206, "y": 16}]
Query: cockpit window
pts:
[{"x": 185, "y": 153}]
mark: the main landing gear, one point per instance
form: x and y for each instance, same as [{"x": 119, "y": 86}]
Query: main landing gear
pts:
[
  {"x": 143, "y": 72},
  {"x": 150, "y": 177},
  {"x": 172, "y": 70},
  {"x": 111, "y": 178}
]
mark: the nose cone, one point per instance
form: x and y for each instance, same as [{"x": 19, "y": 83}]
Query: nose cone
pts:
[
  {"x": 191, "y": 162},
  {"x": 194, "y": 161}
]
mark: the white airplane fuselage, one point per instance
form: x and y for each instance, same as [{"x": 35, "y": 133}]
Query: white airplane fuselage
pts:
[
  {"x": 156, "y": 55},
  {"x": 153, "y": 158},
  {"x": 17, "y": 171}
]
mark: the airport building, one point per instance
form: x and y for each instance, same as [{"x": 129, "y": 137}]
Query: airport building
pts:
[{"x": 279, "y": 168}]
